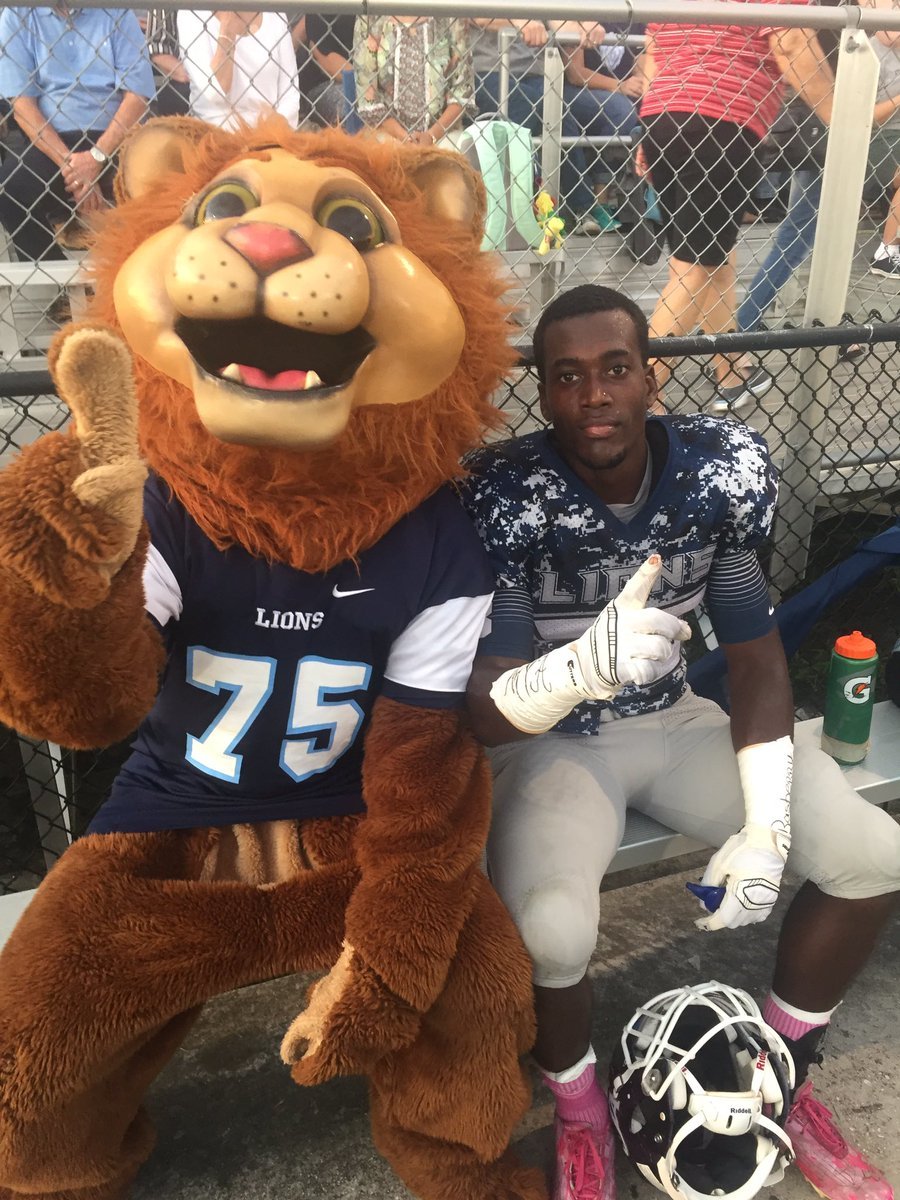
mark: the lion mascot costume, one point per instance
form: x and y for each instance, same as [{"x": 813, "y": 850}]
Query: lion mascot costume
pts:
[{"x": 286, "y": 607}]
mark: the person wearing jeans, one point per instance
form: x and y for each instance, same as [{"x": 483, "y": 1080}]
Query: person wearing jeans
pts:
[
  {"x": 800, "y": 136},
  {"x": 602, "y": 90},
  {"x": 790, "y": 248}
]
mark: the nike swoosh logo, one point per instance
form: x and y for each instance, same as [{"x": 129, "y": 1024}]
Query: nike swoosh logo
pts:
[{"x": 336, "y": 591}]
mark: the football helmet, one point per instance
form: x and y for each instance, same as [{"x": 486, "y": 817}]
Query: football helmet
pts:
[{"x": 700, "y": 1088}]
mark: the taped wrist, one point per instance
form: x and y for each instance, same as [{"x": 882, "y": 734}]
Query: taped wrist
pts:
[
  {"x": 766, "y": 771},
  {"x": 535, "y": 696}
]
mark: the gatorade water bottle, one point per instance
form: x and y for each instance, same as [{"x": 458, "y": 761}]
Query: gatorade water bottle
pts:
[{"x": 849, "y": 697}]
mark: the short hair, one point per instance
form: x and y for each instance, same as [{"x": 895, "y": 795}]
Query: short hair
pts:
[{"x": 589, "y": 298}]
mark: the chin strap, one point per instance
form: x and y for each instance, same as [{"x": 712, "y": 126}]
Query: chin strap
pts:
[{"x": 678, "y": 1189}]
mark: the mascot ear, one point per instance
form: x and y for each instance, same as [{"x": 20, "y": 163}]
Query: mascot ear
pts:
[
  {"x": 451, "y": 190},
  {"x": 154, "y": 150}
]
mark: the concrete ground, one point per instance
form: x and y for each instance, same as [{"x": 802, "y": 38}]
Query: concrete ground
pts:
[{"x": 233, "y": 1126}]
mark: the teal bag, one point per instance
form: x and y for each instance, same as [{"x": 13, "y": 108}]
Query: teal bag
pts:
[{"x": 501, "y": 152}]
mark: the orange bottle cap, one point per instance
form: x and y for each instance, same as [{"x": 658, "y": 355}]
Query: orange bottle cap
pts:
[{"x": 855, "y": 645}]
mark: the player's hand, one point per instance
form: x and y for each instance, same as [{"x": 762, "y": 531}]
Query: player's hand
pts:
[
  {"x": 749, "y": 867},
  {"x": 352, "y": 1020},
  {"x": 71, "y": 504},
  {"x": 629, "y": 643}
]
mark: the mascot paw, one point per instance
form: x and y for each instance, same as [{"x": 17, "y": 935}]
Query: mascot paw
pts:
[
  {"x": 352, "y": 1020},
  {"x": 71, "y": 506},
  {"x": 93, "y": 372}
]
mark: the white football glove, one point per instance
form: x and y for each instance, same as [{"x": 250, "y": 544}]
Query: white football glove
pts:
[
  {"x": 627, "y": 643},
  {"x": 750, "y": 864}
]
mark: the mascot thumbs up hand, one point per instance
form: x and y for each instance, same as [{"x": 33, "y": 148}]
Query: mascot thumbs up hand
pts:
[
  {"x": 70, "y": 520},
  {"x": 86, "y": 488},
  {"x": 92, "y": 368}
]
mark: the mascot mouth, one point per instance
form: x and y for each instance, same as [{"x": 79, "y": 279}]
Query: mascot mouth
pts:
[{"x": 274, "y": 361}]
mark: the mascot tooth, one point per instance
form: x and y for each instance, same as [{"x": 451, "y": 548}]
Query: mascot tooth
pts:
[{"x": 245, "y": 547}]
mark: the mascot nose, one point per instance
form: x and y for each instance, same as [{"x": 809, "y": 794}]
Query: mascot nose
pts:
[{"x": 267, "y": 247}]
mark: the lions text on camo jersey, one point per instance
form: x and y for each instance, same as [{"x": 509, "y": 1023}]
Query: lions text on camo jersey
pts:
[
  {"x": 272, "y": 673},
  {"x": 553, "y": 541}
]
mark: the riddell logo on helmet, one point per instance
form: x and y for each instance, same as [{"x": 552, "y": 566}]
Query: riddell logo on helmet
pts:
[
  {"x": 857, "y": 690},
  {"x": 761, "y": 1060}
]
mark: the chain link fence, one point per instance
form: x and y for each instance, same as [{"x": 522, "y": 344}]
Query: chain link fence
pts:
[{"x": 770, "y": 270}]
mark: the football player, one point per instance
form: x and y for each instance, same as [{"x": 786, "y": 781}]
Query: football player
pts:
[{"x": 579, "y": 689}]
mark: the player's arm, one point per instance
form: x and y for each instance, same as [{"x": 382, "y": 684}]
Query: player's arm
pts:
[
  {"x": 487, "y": 722},
  {"x": 749, "y": 866},
  {"x": 627, "y": 643},
  {"x": 762, "y": 706}
]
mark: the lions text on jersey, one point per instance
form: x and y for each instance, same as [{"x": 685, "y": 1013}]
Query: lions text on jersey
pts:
[
  {"x": 271, "y": 673},
  {"x": 560, "y": 554}
]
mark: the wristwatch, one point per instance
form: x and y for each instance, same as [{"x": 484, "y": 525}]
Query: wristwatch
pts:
[{"x": 98, "y": 155}]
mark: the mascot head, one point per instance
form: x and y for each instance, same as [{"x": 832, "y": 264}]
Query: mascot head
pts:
[{"x": 315, "y": 327}]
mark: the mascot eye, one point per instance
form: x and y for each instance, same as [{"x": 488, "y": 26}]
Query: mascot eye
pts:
[
  {"x": 226, "y": 200},
  {"x": 354, "y": 220}
]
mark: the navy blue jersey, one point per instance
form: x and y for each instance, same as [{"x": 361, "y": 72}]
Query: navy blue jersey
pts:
[
  {"x": 556, "y": 547},
  {"x": 272, "y": 673}
]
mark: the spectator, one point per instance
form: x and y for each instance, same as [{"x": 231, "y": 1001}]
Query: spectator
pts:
[
  {"x": 240, "y": 65},
  {"x": 884, "y": 150},
  {"x": 324, "y": 48},
  {"x": 173, "y": 93},
  {"x": 73, "y": 106},
  {"x": 800, "y": 138},
  {"x": 413, "y": 75},
  {"x": 602, "y": 89},
  {"x": 526, "y": 97},
  {"x": 712, "y": 96}
]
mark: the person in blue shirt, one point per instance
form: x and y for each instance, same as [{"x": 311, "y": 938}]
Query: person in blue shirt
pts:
[{"x": 73, "y": 105}]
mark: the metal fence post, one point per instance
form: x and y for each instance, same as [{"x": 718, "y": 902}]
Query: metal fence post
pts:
[
  {"x": 507, "y": 37},
  {"x": 551, "y": 120},
  {"x": 856, "y": 83}
]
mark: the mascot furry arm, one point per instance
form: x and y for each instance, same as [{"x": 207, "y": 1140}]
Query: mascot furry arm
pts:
[
  {"x": 79, "y": 659},
  {"x": 406, "y": 913},
  {"x": 71, "y": 557}
]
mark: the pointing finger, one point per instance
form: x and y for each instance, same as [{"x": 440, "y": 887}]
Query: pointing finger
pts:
[
  {"x": 93, "y": 374},
  {"x": 637, "y": 590}
]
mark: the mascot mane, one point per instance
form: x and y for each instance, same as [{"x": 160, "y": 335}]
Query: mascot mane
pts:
[{"x": 317, "y": 508}]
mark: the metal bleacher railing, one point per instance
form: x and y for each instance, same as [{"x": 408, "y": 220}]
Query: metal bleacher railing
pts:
[{"x": 831, "y": 418}]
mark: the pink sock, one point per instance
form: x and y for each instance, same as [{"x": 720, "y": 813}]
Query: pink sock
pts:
[
  {"x": 581, "y": 1099},
  {"x": 792, "y": 1022}
]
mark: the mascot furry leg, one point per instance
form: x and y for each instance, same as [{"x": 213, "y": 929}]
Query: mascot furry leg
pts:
[{"x": 97, "y": 992}]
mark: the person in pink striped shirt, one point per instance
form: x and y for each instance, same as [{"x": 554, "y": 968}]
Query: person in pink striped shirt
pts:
[{"x": 713, "y": 93}]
